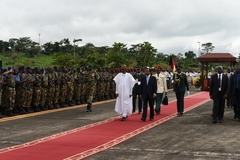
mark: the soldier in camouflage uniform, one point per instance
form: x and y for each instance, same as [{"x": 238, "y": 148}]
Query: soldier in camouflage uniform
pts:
[
  {"x": 70, "y": 88},
  {"x": 44, "y": 89},
  {"x": 112, "y": 84},
  {"x": 63, "y": 87},
  {"x": 1, "y": 92},
  {"x": 36, "y": 90},
  {"x": 77, "y": 88},
  {"x": 107, "y": 93},
  {"x": 101, "y": 86},
  {"x": 56, "y": 96},
  {"x": 21, "y": 90},
  {"x": 91, "y": 87},
  {"x": 29, "y": 83},
  {"x": 83, "y": 85},
  {"x": 51, "y": 87},
  {"x": 10, "y": 93}
]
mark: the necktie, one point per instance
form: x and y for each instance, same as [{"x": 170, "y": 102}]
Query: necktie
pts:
[
  {"x": 147, "y": 79},
  {"x": 219, "y": 81}
]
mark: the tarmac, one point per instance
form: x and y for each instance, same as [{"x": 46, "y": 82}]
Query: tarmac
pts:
[{"x": 189, "y": 137}]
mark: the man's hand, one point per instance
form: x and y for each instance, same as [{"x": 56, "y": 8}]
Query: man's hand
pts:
[
  {"x": 225, "y": 96},
  {"x": 154, "y": 95}
]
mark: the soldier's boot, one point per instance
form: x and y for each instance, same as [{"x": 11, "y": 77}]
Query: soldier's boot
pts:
[
  {"x": 50, "y": 106},
  {"x": 89, "y": 107},
  {"x": 56, "y": 106},
  {"x": 106, "y": 97},
  {"x": 70, "y": 103},
  {"x": 41, "y": 108},
  {"x": 9, "y": 113},
  {"x": 83, "y": 101},
  {"x": 77, "y": 102},
  {"x": 22, "y": 111},
  {"x": 62, "y": 105},
  {"x": 103, "y": 98},
  {"x": 45, "y": 107},
  {"x": 36, "y": 109}
]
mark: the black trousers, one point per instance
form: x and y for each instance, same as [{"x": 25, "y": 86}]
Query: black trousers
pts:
[
  {"x": 147, "y": 100},
  {"x": 180, "y": 101},
  {"x": 135, "y": 96},
  {"x": 218, "y": 106},
  {"x": 236, "y": 103}
]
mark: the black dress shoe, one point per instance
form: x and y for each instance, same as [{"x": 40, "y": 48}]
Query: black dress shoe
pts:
[
  {"x": 143, "y": 119},
  {"x": 89, "y": 110},
  {"x": 123, "y": 119},
  {"x": 214, "y": 121},
  {"x": 157, "y": 112},
  {"x": 220, "y": 121}
]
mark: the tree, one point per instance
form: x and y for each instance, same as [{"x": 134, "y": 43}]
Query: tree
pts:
[
  {"x": 207, "y": 47},
  {"x": 147, "y": 54},
  {"x": 119, "y": 48},
  {"x": 190, "y": 55}
]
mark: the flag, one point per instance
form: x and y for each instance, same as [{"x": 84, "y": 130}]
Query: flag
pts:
[{"x": 172, "y": 64}]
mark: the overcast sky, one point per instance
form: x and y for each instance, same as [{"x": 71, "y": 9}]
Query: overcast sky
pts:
[{"x": 171, "y": 26}]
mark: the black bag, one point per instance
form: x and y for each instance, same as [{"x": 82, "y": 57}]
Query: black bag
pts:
[{"x": 165, "y": 100}]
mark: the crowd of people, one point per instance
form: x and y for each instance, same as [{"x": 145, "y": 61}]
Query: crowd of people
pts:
[{"x": 26, "y": 90}]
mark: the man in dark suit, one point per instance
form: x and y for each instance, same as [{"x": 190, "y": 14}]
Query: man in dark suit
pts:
[
  {"x": 136, "y": 91},
  {"x": 219, "y": 88},
  {"x": 179, "y": 87},
  {"x": 148, "y": 91},
  {"x": 234, "y": 92}
]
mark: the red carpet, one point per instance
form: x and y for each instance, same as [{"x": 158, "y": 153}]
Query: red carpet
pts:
[{"x": 91, "y": 139}]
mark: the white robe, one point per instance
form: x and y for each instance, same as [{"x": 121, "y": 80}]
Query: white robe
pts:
[{"x": 124, "y": 85}]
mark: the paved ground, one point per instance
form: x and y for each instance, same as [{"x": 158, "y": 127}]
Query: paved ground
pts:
[{"x": 191, "y": 136}]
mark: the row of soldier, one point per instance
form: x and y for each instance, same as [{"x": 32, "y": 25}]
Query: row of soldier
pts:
[{"x": 30, "y": 90}]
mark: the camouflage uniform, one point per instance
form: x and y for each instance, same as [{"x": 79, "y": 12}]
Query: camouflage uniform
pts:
[
  {"x": 56, "y": 89},
  {"x": 36, "y": 91},
  {"x": 63, "y": 88},
  {"x": 50, "y": 91},
  {"x": 83, "y": 86},
  {"x": 29, "y": 95},
  {"x": 91, "y": 88},
  {"x": 77, "y": 88},
  {"x": 70, "y": 88},
  {"x": 44, "y": 89},
  {"x": 10, "y": 93},
  {"x": 1, "y": 91},
  {"x": 21, "y": 91},
  {"x": 107, "y": 84}
]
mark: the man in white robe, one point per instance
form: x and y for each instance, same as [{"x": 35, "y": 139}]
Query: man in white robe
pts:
[{"x": 124, "y": 84}]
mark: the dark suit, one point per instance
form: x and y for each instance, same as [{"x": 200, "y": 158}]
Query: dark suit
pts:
[
  {"x": 136, "y": 92},
  {"x": 179, "y": 88},
  {"x": 147, "y": 91},
  {"x": 234, "y": 93},
  {"x": 218, "y": 96}
]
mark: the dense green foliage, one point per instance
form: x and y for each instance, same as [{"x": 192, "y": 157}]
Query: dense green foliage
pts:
[{"x": 24, "y": 51}]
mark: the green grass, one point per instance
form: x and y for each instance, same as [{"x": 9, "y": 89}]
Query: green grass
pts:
[{"x": 21, "y": 59}]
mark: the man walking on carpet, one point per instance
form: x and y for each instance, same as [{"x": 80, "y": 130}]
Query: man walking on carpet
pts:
[
  {"x": 124, "y": 84},
  {"x": 148, "y": 92},
  {"x": 180, "y": 85},
  {"x": 219, "y": 88},
  {"x": 161, "y": 88}
]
